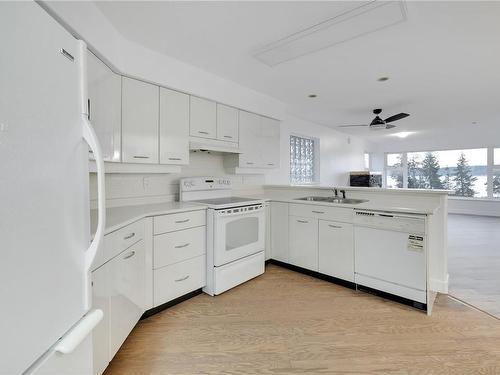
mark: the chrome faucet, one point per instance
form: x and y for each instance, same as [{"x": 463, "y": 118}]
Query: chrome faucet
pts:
[
  {"x": 343, "y": 193},
  {"x": 336, "y": 192}
]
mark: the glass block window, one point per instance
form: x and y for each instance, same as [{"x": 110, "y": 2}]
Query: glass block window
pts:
[{"x": 302, "y": 160}]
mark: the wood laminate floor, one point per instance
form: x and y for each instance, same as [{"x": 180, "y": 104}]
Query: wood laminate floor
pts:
[
  {"x": 288, "y": 323},
  {"x": 474, "y": 260}
]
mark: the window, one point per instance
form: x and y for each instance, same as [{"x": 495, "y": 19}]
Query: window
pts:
[
  {"x": 394, "y": 170},
  {"x": 495, "y": 178},
  {"x": 464, "y": 172},
  {"x": 367, "y": 161},
  {"x": 303, "y": 160}
]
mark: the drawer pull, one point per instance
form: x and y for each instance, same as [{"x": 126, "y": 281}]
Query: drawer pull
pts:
[
  {"x": 228, "y": 136},
  {"x": 334, "y": 226},
  {"x": 181, "y": 221},
  {"x": 140, "y": 157},
  {"x": 250, "y": 163},
  {"x": 128, "y": 237},
  {"x": 182, "y": 278},
  {"x": 181, "y": 246},
  {"x": 174, "y": 159},
  {"x": 129, "y": 255},
  {"x": 302, "y": 221},
  {"x": 202, "y": 132},
  {"x": 270, "y": 164},
  {"x": 318, "y": 212}
]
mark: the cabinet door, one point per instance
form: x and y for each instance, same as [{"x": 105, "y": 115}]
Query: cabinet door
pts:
[
  {"x": 303, "y": 242},
  {"x": 227, "y": 123},
  {"x": 250, "y": 146},
  {"x": 100, "y": 334},
  {"x": 270, "y": 139},
  {"x": 127, "y": 293},
  {"x": 203, "y": 122},
  {"x": 174, "y": 127},
  {"x": 139, "y": 121},
  {"x": 279, "y": 231},
  {"x": 336, "y": 249},
  {"x": 104, "y": 90},
  {"x": 268, "y": 231}
]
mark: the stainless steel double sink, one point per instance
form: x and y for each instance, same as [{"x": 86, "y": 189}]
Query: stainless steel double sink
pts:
[{"x": 332, "y": 200}]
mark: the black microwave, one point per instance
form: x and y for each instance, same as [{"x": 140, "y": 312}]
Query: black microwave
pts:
[{"x": 365, "y": 179}]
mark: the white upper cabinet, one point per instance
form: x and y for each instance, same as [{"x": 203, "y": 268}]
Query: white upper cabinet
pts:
[
  {"x": 203, "y": 122},
  {"x": 227, "y": 123},
  {"x": 250, "y": 140},
  {"x": 270, "y": 143},
  {"x": 104, "y": 90},
  {"x": 140, "y": 106},
  {"x": 174, "y": 127}
]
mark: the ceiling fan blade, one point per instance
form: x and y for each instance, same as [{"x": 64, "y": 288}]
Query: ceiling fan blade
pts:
[
  {"x": 399, "y": 116},
  {"x": 348, "y": 126},
  {"x": 389, "y": 126}
]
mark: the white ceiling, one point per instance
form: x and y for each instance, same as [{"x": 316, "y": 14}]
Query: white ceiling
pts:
[{"x": 443, "y": 61}]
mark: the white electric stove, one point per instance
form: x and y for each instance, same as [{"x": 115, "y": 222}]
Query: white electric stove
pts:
[{"x": 235, "y": 232}]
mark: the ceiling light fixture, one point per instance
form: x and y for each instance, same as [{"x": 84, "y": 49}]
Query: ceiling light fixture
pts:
[{"x": 402, "y": 134}]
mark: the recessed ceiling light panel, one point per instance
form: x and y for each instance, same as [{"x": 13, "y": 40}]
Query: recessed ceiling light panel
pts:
[{"x": 361, "y": 20}]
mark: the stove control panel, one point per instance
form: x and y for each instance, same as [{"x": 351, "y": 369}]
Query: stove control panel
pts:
[{"x": 205, "y": 183}]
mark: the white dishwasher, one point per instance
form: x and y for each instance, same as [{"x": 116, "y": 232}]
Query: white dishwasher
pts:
[{"x": 390, "y": 253}]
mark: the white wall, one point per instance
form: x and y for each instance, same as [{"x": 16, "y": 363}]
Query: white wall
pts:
[
  {"x": 129, "y": 189},
  {"x": 337, "y": 155}
]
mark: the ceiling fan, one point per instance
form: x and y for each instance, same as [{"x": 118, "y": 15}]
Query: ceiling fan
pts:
[{"x": 377, "y": 123}]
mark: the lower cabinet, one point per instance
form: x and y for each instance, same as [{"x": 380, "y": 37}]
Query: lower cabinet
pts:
[
  {"x": 279, "y": 231},
  {"x": 336, "y": 249},
  {"x": 126, "y": 289},
  {"x": 178, "y": 279},
  {"x": 118, "y": 290},
  {"x": 303, "y": 242}
]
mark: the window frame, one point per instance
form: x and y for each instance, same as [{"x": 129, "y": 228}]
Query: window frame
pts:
[
  {"x": 491, "y": 170},
  {"x": 316, "y": 159}
]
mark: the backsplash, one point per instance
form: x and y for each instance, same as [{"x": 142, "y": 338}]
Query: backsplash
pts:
[{"x": 131, "y": 189}]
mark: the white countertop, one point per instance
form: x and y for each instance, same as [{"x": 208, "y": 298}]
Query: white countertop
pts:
[
  {"x": 360, "y": 188},
  {"x": 118, "y": 217}
]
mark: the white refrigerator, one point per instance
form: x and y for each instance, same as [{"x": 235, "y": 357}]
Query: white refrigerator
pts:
[{"x": 45, "y": 317}]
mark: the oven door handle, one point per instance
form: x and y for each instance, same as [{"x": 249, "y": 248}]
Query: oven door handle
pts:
[{"x": 257, "y": 212}]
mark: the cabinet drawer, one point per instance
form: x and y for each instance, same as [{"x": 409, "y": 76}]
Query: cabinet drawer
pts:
[
  {"x": 170, "y": 223},
  {"x": 178, "y": 279},
  {"x": 177, "y": 246},
  {"x": 322, "y": 212},
  {"x": 117, "y": 241}
]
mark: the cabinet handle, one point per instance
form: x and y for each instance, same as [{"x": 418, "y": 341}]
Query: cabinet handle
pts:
[
  {"x": 334, "y": 226},
  {"x": 182, "y": 278},
  {"x": 228, "y": 136},
  {"x": 174, "y": 159},
  {"x": 181, "y": 246},
  {"x": 88, "y": 104},
  {"x": 129, "y": 236},
  {"x": 201, "y": 132},
  {"x": 129, "y": 255},
  {"x": 250, "y": 163},
  {"x": 318, "y": 212},
  {"x": 181, "y": 221},
  {"x": 302, "y": 221},
  {"x": 270, "y": 163},
  {"x": 140, "y": 157}
]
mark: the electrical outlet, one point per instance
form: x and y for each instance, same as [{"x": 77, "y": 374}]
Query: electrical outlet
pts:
[{"x": 146, "y": 183}]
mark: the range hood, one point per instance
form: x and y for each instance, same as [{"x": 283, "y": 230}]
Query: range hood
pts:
[{"x": 215, "y": 145}]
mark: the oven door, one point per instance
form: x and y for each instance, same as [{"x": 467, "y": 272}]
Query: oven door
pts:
[{"x": 239, "y": 232}]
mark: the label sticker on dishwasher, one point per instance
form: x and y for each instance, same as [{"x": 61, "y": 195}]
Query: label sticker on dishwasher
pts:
[{"x": 415, "y": 243}]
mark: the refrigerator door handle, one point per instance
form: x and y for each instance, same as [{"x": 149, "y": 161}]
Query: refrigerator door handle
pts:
[
  {"x": 91, "y": 139},
  {"x": 79, "y": 332}
]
